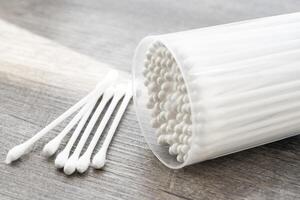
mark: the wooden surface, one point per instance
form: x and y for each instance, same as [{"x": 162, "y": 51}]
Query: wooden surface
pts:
[{"x": 53, "y": 52}]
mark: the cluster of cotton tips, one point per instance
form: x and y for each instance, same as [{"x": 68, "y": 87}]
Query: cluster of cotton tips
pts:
[
  {"x": 168, "y": 101},
  {"x": 110, "y": 95}
]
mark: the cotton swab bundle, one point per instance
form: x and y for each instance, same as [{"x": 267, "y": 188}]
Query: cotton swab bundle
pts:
[
  {"x": 168, "y": 100},
  {"x": 214, "y": 91},
  {"x": 84, "y": 161},
  {"x": 72, "y": 161},
  {"x": 100, "y": 158},
  {"x": 112, "y": 95},
  {"x": 19, "y": 150},
  {"x": 63, "y": 156}
]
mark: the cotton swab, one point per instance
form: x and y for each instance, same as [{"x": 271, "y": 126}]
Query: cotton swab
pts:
[
  {"x": 63, "y": 156},
  {"x": 84, "y": 161},
  {"x": 100, "y": 157},
  {"x": 19, "y": 150},
  {"x": 70, "y": 165}
]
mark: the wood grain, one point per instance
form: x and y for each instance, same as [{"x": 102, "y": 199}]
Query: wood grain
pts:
[
  {"x": 109, "y": 30},
  {"x": 53, "y": 52}
]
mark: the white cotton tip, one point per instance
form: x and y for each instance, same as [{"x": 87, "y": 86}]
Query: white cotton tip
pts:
[
  {"x": 153, "y": 78},
  {"x": 99, "y": 159},
  {"x": 185, "y": 139},
  {"x": 161, "y": 95},
  {"x": 185, "y": 129},
  {"x": 161, "y": 105},
  {"x": 184, "y": 149},
  {"x": 153, "y": 87},
  {"x": 175, "y": 137},
  {"x": 163, "y": 128},
  {"x": 178, "y": 128},
  {"x": 166, "y": 86},
  {"x": 83, "y": 163},
  {"x": 61, "y": 159},
  {"x": 179, "y": 116},
  {"x": 16, "y": 152},
  {"x": 151, "y": 68},
  {"x": 169, "y": 139},
  {"x": 168, "y": 76},
  {"x": 173, "y": 149},
  {"x": 162, "y": 73},
  {"x": 161, "y": 118},
  {"x": 50, "y": 148},
  {"x": 161, "y": 140},
  {"x": 159, "y": 80},
  {"x": 180, "y": 138},
  {"x": 70, "y": 165},
  {"x": 156, "y": 70},
  {"x": 148, "y": 55},
  {"x": 180, "y": 158}
]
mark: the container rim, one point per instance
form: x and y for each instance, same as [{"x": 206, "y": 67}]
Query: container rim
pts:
[{"x": 140, "y": 51}]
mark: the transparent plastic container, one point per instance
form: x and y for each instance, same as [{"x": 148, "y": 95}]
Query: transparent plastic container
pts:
[{"x": 242, "y": 81}]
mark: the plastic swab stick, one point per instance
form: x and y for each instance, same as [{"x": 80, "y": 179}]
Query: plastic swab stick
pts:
[
  {"x": 63, "y": 156},
  {"x": 51, "y": 147},
  {"x": 100, "y": 158},
  {"x": 84, "y": 161},
  {"x": 71, "y": 163}
]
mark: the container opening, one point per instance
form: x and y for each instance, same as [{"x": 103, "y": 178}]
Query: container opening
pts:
[{"x": 162, "y": 103}]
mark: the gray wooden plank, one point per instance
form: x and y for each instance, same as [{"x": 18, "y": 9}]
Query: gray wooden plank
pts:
[{"x": 109, "y": 30}]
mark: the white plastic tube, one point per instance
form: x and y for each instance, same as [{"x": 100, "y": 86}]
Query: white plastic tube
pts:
[{"x": 209, "y": 92}]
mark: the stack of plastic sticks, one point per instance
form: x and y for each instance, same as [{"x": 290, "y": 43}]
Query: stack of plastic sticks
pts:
[
  {"x": 217, "y": 90},
  {"x": 110, "y": 94}
]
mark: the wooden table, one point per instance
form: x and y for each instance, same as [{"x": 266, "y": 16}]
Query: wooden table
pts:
[{"x": 53, "y": 52}]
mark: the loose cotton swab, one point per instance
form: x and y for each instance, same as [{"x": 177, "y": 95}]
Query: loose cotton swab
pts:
[
  {"x": 70, "y": 165},
  {"x": 52, "y": 146},
  {"x": 100, "y": 158},
  {"x": 84, "y": 161},
  {"x": 21, "y": 149}
]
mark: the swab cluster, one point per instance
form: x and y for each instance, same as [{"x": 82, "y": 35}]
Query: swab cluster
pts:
[
  {"x": 168, "y": 101},
  {"x": 243, "y": 82},
  {"x": 78, "y": 160}
]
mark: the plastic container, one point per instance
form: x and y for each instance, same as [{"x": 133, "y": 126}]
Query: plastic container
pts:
[{"x": 208, "y": 92}]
